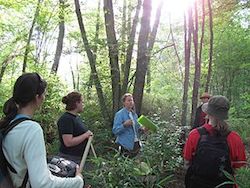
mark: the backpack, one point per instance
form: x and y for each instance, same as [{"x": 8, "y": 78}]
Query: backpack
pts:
[
  {"x": 5, "y": 180},
  {"x": 212, "y": 157}
]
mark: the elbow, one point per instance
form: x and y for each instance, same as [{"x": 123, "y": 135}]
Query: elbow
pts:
[{"x": 67, "y": 144}]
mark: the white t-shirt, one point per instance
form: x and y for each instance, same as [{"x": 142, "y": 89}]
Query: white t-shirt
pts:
[{"x": 24, "y": 148}]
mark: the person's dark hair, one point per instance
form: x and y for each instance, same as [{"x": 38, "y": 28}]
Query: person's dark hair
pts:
[
  {"x": 71, "y": 99},
  {"x": 125, "y": 96},
  {"x": 26, "y": 87}
]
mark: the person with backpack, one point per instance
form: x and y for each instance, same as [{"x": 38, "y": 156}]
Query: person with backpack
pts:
[
  {"x": 212, "y": 150},
  {"x": 73, "y": 134},
  {"x": 23, "y": 146}
]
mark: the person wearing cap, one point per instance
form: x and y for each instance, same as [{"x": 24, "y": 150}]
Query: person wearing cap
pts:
[
  {"x": 200, "y": 116},
  {"x": 217, "y": 111}
]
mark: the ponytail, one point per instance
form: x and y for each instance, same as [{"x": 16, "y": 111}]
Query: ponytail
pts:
[
  {"x": 26, "y": 87},
  {"x": 10, "y": 111},
  {"x": 221, "y": 127}
]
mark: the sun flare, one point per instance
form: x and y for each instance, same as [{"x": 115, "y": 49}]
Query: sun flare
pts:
[{"x": 175, "y": 8}]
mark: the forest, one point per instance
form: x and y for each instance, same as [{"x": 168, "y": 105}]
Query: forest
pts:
[{"x": 166, "y": 53}]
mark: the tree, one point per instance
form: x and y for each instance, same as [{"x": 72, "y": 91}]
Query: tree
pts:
[
  {"x": 188, "y": 26},
  {"x": 113, "y": 54},
  {"x": 92, "y": 63},
  {"x": 27, "y": 49},
  {"x": 197, "y": 72},
  {"x": 131, "y": 42},
  {"x": 142, "y": 55},
  {"x": 59, "y": 45},
  {"x": 151, "y": 42},
  {"x": 209, "y": 72}
]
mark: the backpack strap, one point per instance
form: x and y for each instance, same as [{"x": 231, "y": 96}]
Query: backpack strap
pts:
[
  {"x": 202, "y": 131},
  {"x": 13, "y": 124},
  {"x": 4, "y": 133}
]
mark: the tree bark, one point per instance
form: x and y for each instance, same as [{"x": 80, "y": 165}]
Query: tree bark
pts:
[
  {"x": 202, "y": 31},
  {"x": 5, "y": 64},
  {"x": 92, "y": 62},
  {"x": 209, "y": 73},
  {"x": 60, "y": 38},
  {"x": 142, "y": 55},
  {"x": 97, "y": 28},
  {"x": 175, "y": 48},
  {"x": 113, "y": 54},
  {"x": 151, "y": 42},
  {"x": 27, "y": 49},
  {"x": 123, "y": 35},
  {"x": 188, "y": 22},
  {"x": 196, "y": 83},
  {"x": 130, "y": 47}
]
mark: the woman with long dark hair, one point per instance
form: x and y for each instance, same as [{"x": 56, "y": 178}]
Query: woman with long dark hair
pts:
[{"x": 24, "y": 146}]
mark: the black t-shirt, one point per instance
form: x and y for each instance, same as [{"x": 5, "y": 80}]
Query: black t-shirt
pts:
[{"x": 71, "y": 124}]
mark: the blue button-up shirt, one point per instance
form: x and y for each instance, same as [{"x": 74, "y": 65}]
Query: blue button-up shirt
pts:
[{"x": 125, "y": 136}]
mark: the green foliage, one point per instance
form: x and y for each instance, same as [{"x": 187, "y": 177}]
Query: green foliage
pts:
[
  {"x": 242, "y": 127},
  {"x": 163, "y": 149},
  {"x": 160, "y": 156},
  {"x": 165, "y": 107},
  {"x": 118, "y": 171},
  {"x": 242, "y": 178}
]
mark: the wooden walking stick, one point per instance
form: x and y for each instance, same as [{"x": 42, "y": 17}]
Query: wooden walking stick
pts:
[
  {"x": 85, "y": 154},
  {"x": 93, "y": 150}
]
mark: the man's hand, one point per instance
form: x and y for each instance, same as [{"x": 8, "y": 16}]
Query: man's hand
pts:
[{"x": 128, "y": 123}]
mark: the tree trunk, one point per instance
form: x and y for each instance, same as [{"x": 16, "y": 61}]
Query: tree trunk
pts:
[
  {"x": 95, "y": 47},
  {"x": 113, "y": 54},
  {"x": 142, "y": 55},
  {"x": 131, "y": 43},
  {"x": 187, "y": 46},
  {"x": 60, "y": 38},
  {"x": 73, "y": 76},
  {"x": 175, "y": 48},
  {"x": 151, "y": 43},
  {"x": 92, "y": 62},
  {"x": 4, "y": 65},
  {"x": 202, "y": 31},
  {"x": 196, "y": 83},
  {"x": 27, "y": 49},
  {"x": 211, "y": 46},
  {"x": 97, "y": 28},
  {"x": 123, "y": 35}
]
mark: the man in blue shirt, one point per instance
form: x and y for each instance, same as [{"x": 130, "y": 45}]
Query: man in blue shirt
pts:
[{"x": 126, "y": 128}]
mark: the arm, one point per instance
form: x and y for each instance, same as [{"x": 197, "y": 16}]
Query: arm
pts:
[
  {"x": 190, "y": 147},
  {"x": 237, "y": 150},
  {"x": 119, "y": 125},
  {"x": 35, "y": 157},
  {"x": 69, "y": 140}
]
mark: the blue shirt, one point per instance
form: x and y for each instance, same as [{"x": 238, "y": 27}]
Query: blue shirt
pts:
[{"x": 125, "y": 136}]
